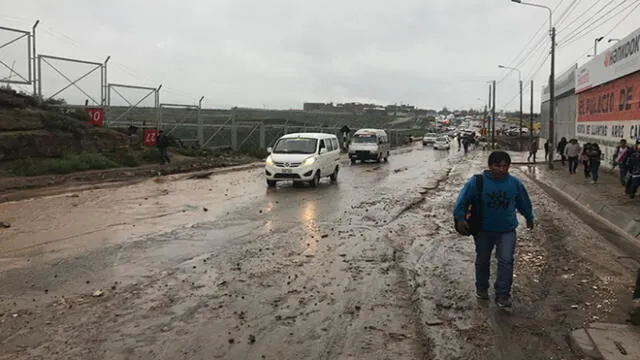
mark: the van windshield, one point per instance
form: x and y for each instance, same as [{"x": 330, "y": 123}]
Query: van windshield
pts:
[
  {"x": 295, "y": 146},
  {"x": 364, "y": 139}
]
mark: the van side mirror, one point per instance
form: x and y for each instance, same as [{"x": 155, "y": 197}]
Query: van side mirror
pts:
[
  {"x": 269, "y": 150},
  {"x": 323, "y": 150}
]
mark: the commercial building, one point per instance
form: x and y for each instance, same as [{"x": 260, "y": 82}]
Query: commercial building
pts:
[
  {"x": 598, "y": 102},
  {"x": 608, "y": 96},
  {"x": 565, "y": 115}
]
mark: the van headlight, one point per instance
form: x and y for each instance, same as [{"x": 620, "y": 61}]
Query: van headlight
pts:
[
  {"x": 269, "y": 161},
  {"x": 309, "y": 161}
]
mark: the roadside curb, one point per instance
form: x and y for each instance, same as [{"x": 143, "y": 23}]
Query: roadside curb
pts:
[
  {"x": 620, "y": 219},
  {"x": 605, "y": 341}
]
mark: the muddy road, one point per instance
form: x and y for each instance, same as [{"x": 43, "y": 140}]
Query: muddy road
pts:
[{"x": 368, "y": 268}]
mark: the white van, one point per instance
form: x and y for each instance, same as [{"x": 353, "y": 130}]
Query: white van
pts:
[
  {"x": 369, "y": 144},
  {"x": 303, "y": 157}
]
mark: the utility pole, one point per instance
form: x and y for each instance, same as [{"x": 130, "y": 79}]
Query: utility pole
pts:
[
  {"x": 552, "y": 93},
  {"x": 531, "y": 114},
  {"x": 493, "y": 118},
  {"x": 521, "y": 107},
  {"x": 488, "y": 125}
]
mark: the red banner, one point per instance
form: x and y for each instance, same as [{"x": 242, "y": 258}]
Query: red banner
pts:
[
  {"x": 150, "y": 137},
  {"x": 618, "y": 100},
  {"x": 96, "y": 115}
]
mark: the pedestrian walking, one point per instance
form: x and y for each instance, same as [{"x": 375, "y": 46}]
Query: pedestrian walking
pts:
[
  {"x": 546, "y": 149},
  {"x": 633, "y": 166},
  {"x": 595, "y": 156},
  {"x": 585, "y": 161},
  {"x": 561, "y": 146},
  {"x": 533, "y": 149},
  {"x": 465, "y": 144},
  {"x": 163, "y": 146},
  {"x": 572, "y": 152},
  {"x": 635, "y": 312},
  {"x": 620, "y": 158},
  {"x": 496, "y": 195}
]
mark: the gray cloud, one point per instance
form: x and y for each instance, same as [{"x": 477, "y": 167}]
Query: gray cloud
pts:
[{"x": 280, "y": 53}]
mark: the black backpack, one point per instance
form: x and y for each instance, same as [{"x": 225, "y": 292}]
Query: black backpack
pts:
[{"x": 474, "y": 210}]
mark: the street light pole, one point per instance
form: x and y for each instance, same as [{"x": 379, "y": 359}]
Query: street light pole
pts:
[
  {"x": 552, "y": 100},
  {"x": 595, "y": 45},
  {"x": 520, "y": 84},
  {"x": 531, "y": 114},
  {"x": 493, "y": 117}
]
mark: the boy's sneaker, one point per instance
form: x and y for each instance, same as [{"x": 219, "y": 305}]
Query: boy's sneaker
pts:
[
  {"x": 482, "y": 294},
  {"x": 503, "y": 303}
]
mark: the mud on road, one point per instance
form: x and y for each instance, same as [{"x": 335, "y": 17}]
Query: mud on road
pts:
[{"x": 367, "y": 269}]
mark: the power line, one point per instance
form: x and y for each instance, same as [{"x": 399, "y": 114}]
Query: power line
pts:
[
  {"x": 529, "y": 80},
  {"x": 513, "y": 63},
  {"x": 576, "y": 38},
  {"x": 566, "y": 12},
  {"x": 582, "y": 14},
  {"x": 584, "y": 30}
]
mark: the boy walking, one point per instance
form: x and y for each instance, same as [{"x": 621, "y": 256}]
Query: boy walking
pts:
[{"x": 501, "y": 196}]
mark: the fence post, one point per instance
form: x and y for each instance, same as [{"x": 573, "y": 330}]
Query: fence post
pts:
[
  {"x": 263, "y": 136},
  {"x": 199, "y": 120},
  {"x": 234, "y": 130}
]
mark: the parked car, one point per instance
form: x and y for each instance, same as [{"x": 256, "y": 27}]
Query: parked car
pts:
[
  {"x": 301, "y": 157},
  {"x": 442, "y": 143},
  {"x": 429, "y": 138}
]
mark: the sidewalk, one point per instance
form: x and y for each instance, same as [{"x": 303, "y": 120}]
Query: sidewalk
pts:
[{"x": 608, "y": 200}]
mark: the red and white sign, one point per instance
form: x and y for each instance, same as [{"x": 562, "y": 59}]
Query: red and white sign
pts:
[
  {"x": 623, "y": 58},
  {"x": 610, "y": 112},
  {"x": 150, "y": 137},
  {"x": 96, "y": 115}
]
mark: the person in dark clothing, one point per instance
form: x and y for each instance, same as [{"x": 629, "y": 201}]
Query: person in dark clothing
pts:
[
  {"x": 595, "y": 156},
  {"x": 533, "y": 150},
  {"x": 465, "y": 144},
  {"x": 635, "y": 312},
  {"x": 546, "y": 149},
  {"x": 459, "y": 138},
  {"x": 620, "y": 158},
  {"x": 163, "y": 146},
  {"x": 561, "y": 146},
  {"x": 633, "y": 167},
  {"x": 585, "y": 160},
  {"x": 502, "y": 196}
]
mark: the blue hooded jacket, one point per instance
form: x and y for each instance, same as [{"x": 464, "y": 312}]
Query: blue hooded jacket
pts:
[{"x": 500, "y": 200}]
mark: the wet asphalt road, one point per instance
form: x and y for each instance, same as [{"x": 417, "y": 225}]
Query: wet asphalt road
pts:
[
  {"x": 137, "y": 237},
  {"x": 224, "y": 268}
]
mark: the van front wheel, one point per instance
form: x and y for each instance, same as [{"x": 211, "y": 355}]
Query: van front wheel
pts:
[
  {"x": 334, "y": 176},
  {"x": 316, "y": 179},
  {"x": 271, "y": 183}
]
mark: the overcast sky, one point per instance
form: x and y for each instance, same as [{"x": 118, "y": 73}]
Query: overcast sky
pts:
[{"x": 281, "y": 53}]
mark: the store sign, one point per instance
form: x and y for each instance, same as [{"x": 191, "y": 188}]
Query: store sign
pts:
[
  {"x": 610, "y": 112},
  {"x": 623, "y": 58}
]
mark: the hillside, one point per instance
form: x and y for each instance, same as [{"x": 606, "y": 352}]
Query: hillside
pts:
[{"x": 43, "y": 140}]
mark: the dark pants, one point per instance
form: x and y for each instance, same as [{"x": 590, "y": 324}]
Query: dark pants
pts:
[
  {"x": 587, "y": 169},
  {"x": 594, "y": 167},
  {"x": 164, "y": 155},
  {"x": 505, "y": 244},
  {"x": 563, "y": 159},
  {"x": 623, "y": 174},
  {"x": 636, "y": 291},
  {"x": 632, "y": 185},
  {"x": 532, "y": 154},
  {"x": 573, "y": 164}
]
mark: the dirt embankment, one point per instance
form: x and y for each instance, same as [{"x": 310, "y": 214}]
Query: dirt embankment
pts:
[{"x": 42, "y": 146}]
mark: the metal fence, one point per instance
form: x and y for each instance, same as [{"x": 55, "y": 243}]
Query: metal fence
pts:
[{"x": 237, "y": 128}]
